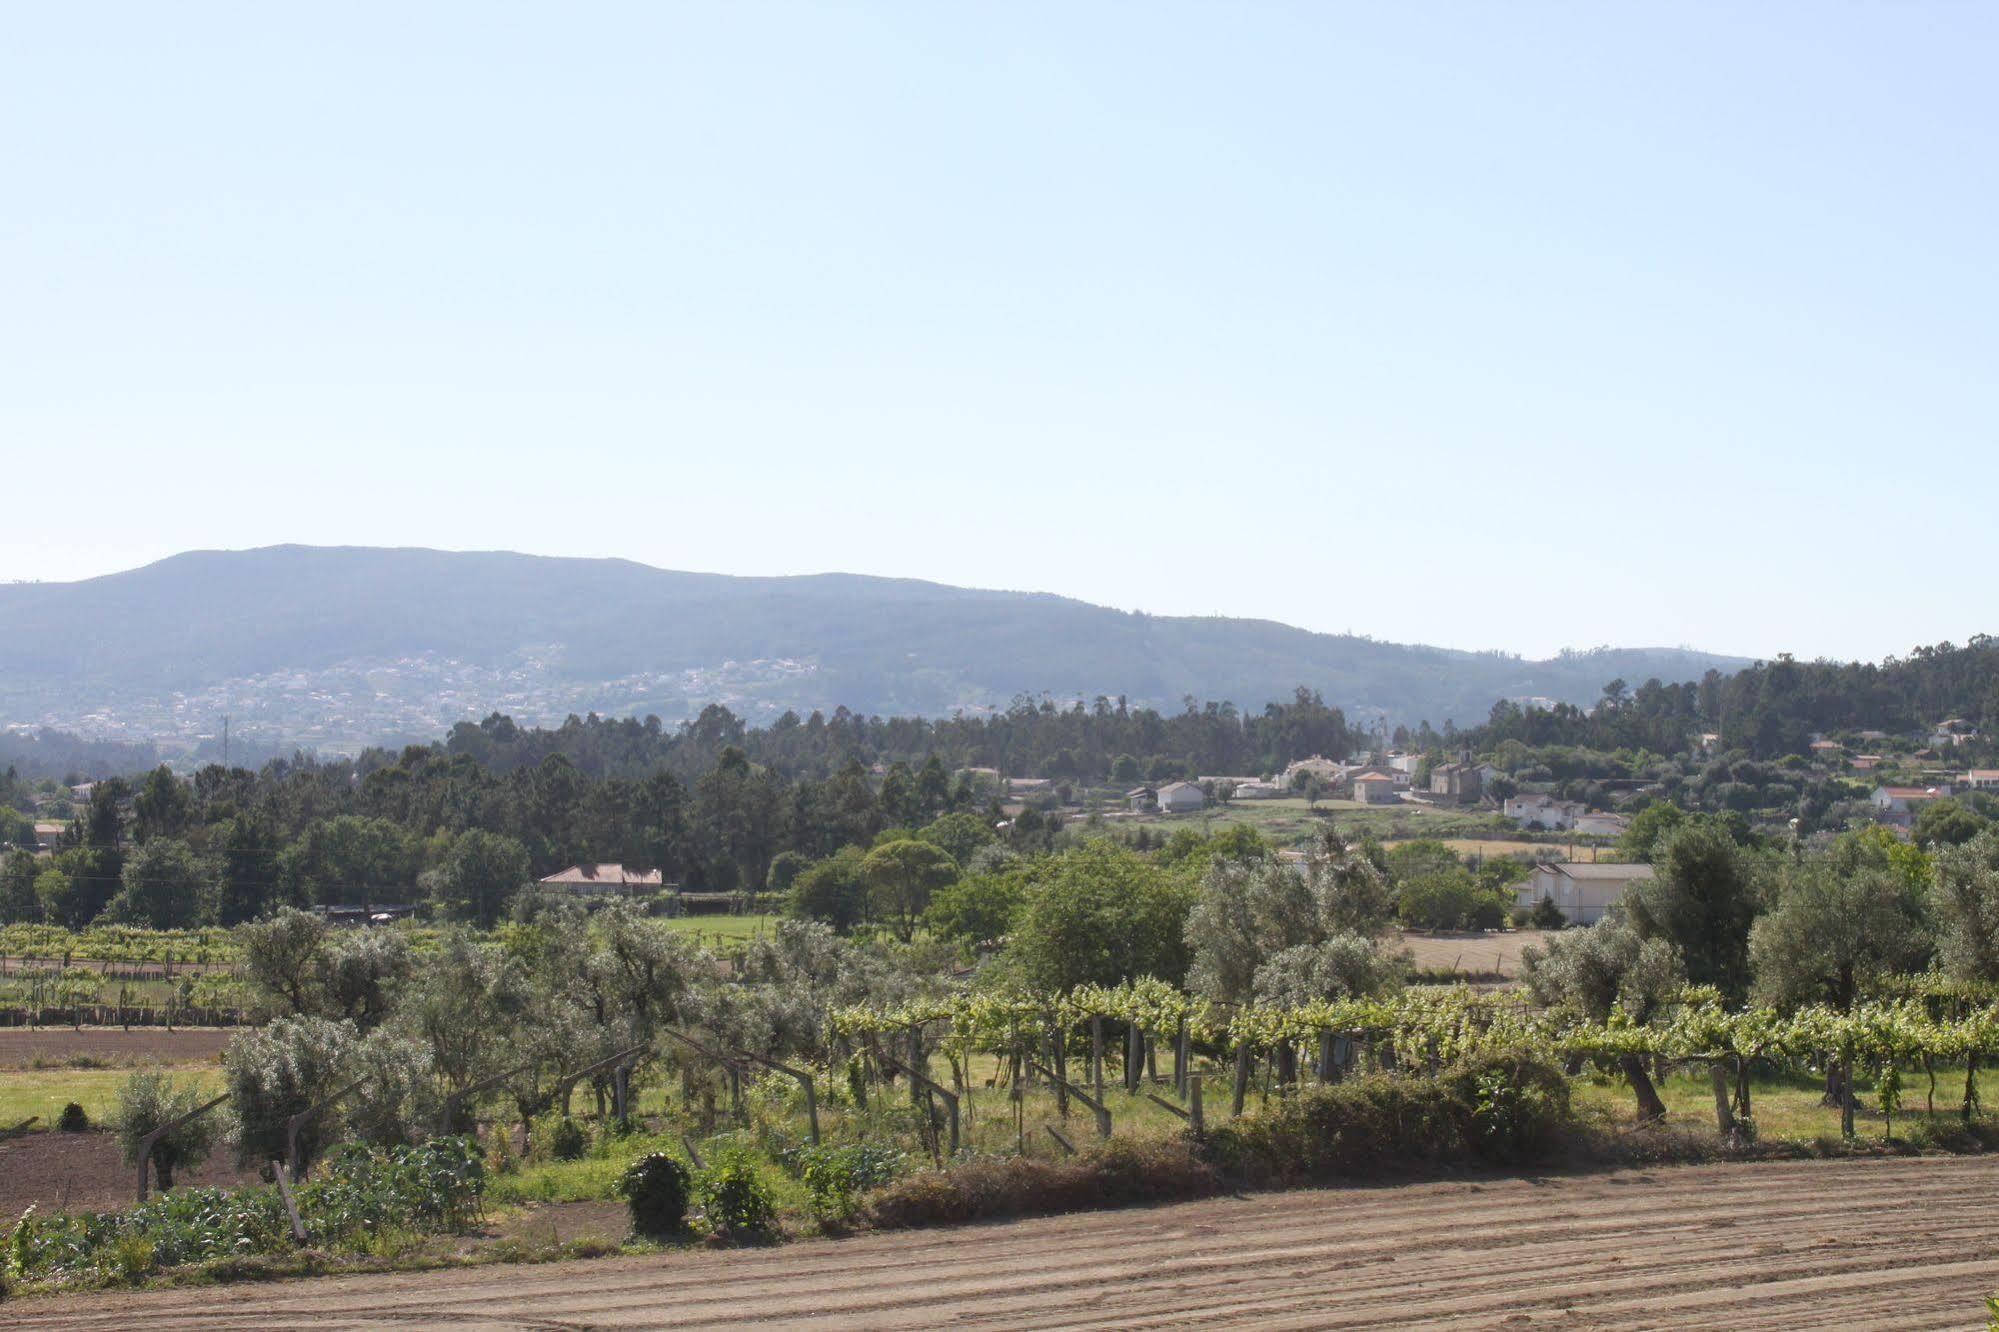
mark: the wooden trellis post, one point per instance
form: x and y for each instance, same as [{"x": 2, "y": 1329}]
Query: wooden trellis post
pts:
[
  {"x": 1241, "y": 1076},
  {"x": 1097, "y": 1107},
  {"x": 950, "y": 1098},
  {"x": 1097, "y": 1053},
  {"x": 805, "y": 1081}
]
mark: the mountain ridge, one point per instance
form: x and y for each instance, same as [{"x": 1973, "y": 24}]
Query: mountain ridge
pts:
[{"x": 875, "y": 644}]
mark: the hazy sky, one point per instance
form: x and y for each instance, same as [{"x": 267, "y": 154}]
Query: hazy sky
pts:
[{"x": 1487, "y": 325}]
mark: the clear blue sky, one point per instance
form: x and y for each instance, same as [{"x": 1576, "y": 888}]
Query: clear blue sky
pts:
[{"x": 1488, "y": 325}]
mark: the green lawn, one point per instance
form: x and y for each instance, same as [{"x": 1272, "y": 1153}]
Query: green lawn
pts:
[
  {"x": 723, "y": 929},
  {"x": 44, "y": 1091},
  {"x": 1788, "y": 1108}
]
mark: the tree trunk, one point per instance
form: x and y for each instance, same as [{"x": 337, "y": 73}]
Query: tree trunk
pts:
[
  {"x": 1649, "y": 1104},
  {"x": 1846, "y": 1101},
  {"x": 1970, "y": 1107}
]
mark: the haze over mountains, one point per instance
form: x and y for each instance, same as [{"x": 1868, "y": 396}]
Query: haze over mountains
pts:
[{"x": 344, "y": 645}]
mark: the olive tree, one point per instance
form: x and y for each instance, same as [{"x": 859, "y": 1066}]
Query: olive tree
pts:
[
  {"x": 1966, "y": 902},
  {"x": 283, "y": 954},
  {"x": 1604, "y": 968},
  {"x": 278, "y": 1070},
  {"x": 1248, "y": 912},
  {"x": 149, "y": 1100}
]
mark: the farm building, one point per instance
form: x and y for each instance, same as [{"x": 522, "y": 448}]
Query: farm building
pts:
[
  {"x": 1142, "y": 800},
  {"x": 1582, "y": 893},
  {"x": 1181, "y": 798},
  {"x": 1259, "y": 791},
  {"x": 591, "y": 880}
]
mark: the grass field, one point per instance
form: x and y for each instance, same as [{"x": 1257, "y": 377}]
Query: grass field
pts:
[
  {"x": 723, "y": 929},
  {"x": 44, "y": 1091},
  {"x": 1788, "y": 1108}
]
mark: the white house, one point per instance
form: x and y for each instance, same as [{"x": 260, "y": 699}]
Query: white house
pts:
[
  {"x": 1952, "y": 731},
  {"x": 1542, "y": 811},
  {"x": 1256, "y": 790},
  {"x": 1582, "y": 893},
  {"x": 1899, "y": 803},
  {"x": 1181, "y": 798}
]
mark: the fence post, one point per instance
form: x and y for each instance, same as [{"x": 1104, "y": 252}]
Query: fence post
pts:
[
  {"x": 1134, "y": 1058},
  {"x": 1194, "y": 1117},
  {"x": 1241, "y": 1076},
  {"x": 1098, "y": 1108},
  {"x": 1181, "y": 1060}
]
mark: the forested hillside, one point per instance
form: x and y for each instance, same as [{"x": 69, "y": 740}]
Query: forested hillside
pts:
[{"x": 874, "y": 645}]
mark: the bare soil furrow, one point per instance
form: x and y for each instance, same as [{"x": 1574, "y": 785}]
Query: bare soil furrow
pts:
[{"x": 1897, "y": 1242}]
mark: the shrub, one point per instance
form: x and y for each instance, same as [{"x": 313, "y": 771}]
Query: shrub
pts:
[
  {"x": 836, "y": 1177},
  {"x": 501, "y": 1158},
  {"x": 1496, "y": 1108},
  {"x": 73, "y": 1119},
  {"x": 149, "y": 1099},
  {"x": 1120, "y": 1171},
  {"x": 435, "y": 1186},
  {"x": 736, "y": 1200},
  {"x": 1547, "y": 916},
  {"x": 556, "y": 1137},
  {"x": 656, "y": 1188}
]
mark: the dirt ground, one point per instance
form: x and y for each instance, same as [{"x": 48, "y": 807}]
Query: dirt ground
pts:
[
  {"x": 83, "y": 1172},
  {"x": 1496, "y": 951},
  {"x": 1863, "y": 1244},
  {"x": 21, "y": 1047}
]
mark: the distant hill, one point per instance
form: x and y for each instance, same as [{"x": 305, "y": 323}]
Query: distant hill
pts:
[{"x": 877, "y": 645}]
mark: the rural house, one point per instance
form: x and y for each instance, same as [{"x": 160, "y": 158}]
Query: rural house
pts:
[
  {"x": 1898, "y": 804},
  {"x": 591, "y": 880},
  {"x": 1582, "y": 893},
  {"x": 1535, "y": 810},
  {"x": 1181, "y": 798},
  {"x": 1374, "y": 788},
  {"x": 1142, "y": 800},
  {"x": 1457, "y": 783}
]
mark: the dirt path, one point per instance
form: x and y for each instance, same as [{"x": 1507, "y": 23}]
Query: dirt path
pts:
[{"x": 1854, "y": 1244}]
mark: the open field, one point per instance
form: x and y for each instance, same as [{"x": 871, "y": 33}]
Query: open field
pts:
[
  {"x": 1858, "y": 1244},
  {"x": 59, "y": 1172},
  {"x": 44, "y": 1092},
  {"x": 1472, "y": 952},
  {"x": 111, "y": 1047},
  {"x": 721, "y": 929}
]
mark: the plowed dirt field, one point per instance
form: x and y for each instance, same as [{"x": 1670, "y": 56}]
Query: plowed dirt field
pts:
[{"x": 1896, "y": 1243}]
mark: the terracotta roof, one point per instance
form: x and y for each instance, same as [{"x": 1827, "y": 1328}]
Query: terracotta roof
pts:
[{"x": 604, "y": 876}]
